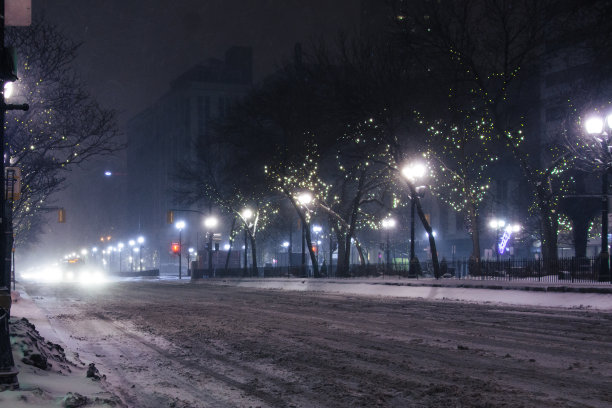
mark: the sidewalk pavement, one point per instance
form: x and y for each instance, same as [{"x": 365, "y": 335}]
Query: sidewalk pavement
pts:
[{"x": 545, "y": 285}]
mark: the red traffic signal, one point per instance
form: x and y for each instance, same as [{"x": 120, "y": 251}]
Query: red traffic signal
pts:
[{"x": 176, "y": 247}]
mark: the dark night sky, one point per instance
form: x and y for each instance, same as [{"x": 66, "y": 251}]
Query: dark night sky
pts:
[{"x": 133, "y": 49}]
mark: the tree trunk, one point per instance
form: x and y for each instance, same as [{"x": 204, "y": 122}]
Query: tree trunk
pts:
[
  {"x": 254, "y": 254},
  {"x": 231, "y": 242},
  {"x": 549, "y": 234},
  {"x": 474, "y": 221},
  {"x": 580, "y": 232},
  {"x": 313, "y": 258},
  {"x": 342, "y": 267},
  {"x": 362, "y": 259},
  {"x": 432, "y": 241},
  {"x": 549, "y": 224},
  {"x": 347, "y": 252},
  {"x": 474, "y": 230}
]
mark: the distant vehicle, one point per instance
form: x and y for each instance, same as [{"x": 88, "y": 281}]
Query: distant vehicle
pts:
[
  {"x": 72, "y": 269},
  {"x": 77, "y": 270}
]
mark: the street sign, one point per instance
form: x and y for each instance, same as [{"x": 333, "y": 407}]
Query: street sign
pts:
[{"x": 17, "y": 12}]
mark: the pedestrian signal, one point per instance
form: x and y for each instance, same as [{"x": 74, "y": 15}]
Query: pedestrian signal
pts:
[{"x": 176, "y": 247}]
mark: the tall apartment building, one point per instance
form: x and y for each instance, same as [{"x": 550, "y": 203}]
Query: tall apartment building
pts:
[{"x": 163, "y": 136}]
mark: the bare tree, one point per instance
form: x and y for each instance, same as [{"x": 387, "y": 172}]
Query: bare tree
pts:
[
  {"x": 485, "y": 55},
  {"x": 459, "y": 155},
  {"x": 64, "y": 127}
]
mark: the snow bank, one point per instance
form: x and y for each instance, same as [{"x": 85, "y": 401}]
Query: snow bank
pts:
[
  {"x": 47, "y": 377},
  {"x": 524, "y": 295}
]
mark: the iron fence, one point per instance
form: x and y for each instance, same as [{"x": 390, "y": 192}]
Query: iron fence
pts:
[{"x": 562, "y": 270}]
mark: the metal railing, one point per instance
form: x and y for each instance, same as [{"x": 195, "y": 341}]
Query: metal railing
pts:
[{"x": 562, "y": 270}]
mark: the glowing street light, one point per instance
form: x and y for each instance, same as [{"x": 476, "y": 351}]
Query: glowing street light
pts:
[
  {"x": 131, "y": 243},
  {"x": 8, "y": 90},
  {"x": 304, "y": 198},
  {"x": 140, "y": 241},
  {"x": 210, "y": 223},
  {"x": 413, "y": 172},
  {"x": 189, "y": 253},
  {"x": 601, "y": 128}
]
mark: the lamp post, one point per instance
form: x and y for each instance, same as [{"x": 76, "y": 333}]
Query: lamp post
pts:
[
  {"x": 140, "y": 242},
  {"x": 388, "y": 224},
  {"x": 131, "y": 243},
  {"x": 601, "y": 129},
  {"x": 210, "y": 223},
  {"x": 496, "y": 224},
  {"x": 119, "y": 248},
  {"x": 180, "y": 225},
  {"x": 413, "y": 172},
  {"x": 317, "y": 230},
  {"x": 304, "y": 199},
  {"x": 286, "y": 245},
  {"x": 189, "y": 253},
  {"x": 246, "y": 215}
]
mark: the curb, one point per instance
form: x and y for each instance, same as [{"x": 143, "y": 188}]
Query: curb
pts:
[{"x": 562, "y": 289}]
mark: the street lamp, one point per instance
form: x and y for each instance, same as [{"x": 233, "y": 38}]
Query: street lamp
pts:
[
  {"x": 414, "y": 172},
  {"x": 497, "y": 224},
  {"x": 141, "y": 241},
  {"x": 180, "y": 225},
  {"x": 304, "y": 199},
  {"x": 286, "y": 246},
  {"x": 189, "y": 253},
  {"x": 388, "y": 224},
  {"x": 119, "y": 248},
  {"x": 131, "y": 243},
  {"x": 601, "y": 129},
  {"x": 246, "y": 215},
  {"x": 210, "y": 223},
  {"x": 317, "y": 230}
]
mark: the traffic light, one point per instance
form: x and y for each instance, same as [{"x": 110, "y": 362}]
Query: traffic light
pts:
[
  {"x": 61, "y": 215},
  {"x": 170, "y": 217},
  {"x": 176, "y": 248}
]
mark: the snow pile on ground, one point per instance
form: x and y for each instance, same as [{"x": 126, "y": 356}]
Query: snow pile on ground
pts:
[
  {"x": 32, "y": 349},
  {"x": 47, "y": 378},
  {"x": 497, "y": 292}
]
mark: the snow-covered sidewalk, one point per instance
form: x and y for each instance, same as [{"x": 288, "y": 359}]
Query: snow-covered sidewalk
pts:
[
  {"x": 516, "y": 292},
  {"x": 47, "y": 376}
]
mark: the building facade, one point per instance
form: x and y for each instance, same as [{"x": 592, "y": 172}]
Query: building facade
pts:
[{"x": 162, "y": 138}]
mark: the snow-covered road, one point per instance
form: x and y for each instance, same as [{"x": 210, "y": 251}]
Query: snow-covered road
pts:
[{"x": 216, "y": 344}]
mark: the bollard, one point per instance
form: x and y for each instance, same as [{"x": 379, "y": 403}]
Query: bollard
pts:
[{"x": 8, "y": 373}]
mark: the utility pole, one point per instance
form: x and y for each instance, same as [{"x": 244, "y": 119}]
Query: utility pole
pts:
[{"x": 8, "y": 373}]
